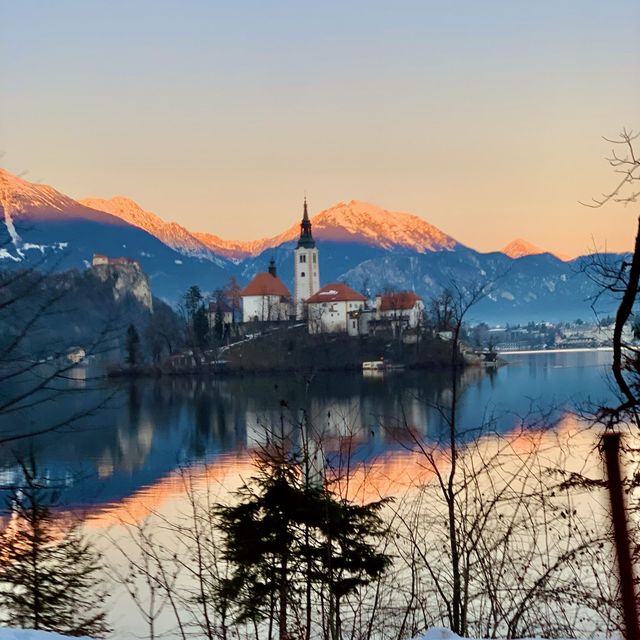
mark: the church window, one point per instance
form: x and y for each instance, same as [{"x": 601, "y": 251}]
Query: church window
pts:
[
  {"x": 302, "y": 275},
  {"x": 303, "y": 258},
  {"x": 314, "y": 258}
]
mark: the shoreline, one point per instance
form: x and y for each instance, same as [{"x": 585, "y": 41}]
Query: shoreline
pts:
[{"x": 536, "y": 351}]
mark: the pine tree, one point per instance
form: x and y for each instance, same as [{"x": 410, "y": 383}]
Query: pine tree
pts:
[
  {"x": 49, "y": 573},
  {"x": 284, "y": 534},
  {"x": 201, "y": 328},
  {"x": 218, "y": 325},
  {"x": 133, "y": 345}
]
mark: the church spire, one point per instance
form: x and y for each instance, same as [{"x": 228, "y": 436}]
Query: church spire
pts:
[{"x": 306, "y": 239}]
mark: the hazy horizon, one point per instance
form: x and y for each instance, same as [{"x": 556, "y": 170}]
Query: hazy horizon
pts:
[{"x": 485, "y": 119}]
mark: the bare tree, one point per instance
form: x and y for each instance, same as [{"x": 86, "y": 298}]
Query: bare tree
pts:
[
  {"x": 622, "y": 279},
  {"x": 35, "y": 368}
]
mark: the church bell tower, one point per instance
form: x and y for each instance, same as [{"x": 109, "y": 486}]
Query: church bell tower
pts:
[{"x": 306, "y": 267}]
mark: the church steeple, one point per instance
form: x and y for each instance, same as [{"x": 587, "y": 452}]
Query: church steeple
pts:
[{"x": 306, "y": 239}]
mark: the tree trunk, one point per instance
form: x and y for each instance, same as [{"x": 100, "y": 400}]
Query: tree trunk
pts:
[
  {"x": 282, "y": 614},
  {"x": 451, "y": 506},
  {"x": 624, "y": 312}
]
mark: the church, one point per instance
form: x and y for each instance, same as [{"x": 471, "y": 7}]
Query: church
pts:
[
  {"x": 267, "y": 299},
  {"x": 333, "y": 308}
]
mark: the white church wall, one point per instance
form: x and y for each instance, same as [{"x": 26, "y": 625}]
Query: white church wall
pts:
[
  {"x": 306, "y": 276},
  {"x": 333, "y": 317},
  {"x": 264, "y": 308}
]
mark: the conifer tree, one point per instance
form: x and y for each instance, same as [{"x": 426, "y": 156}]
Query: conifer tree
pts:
[
  {"x": 133, "y": 345},
  {"x": 49, "y": 574},
  {"x": 284, "y": 533}
]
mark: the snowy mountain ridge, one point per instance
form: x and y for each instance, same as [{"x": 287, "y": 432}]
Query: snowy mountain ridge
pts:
[
  {"x": 18, "y": 196},
  {"x": 519, "y": 248},
  {"x": 366, "y": 223},
  {"x": 171, "y": 233},
  {"x": 355, "y": 221}
]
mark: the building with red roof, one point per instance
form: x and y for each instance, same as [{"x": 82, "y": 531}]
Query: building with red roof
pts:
[
  {"x": 397, "y": 301},
  {"x": 335, "y": 308},
  {"x": 266, "y": 298},
  {"x": 400, "y": 310}
]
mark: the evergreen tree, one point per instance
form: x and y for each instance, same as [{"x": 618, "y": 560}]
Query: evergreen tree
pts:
[
  {"x": 200, "y": 328},
  {"x": 133, "y": 345},
  {"x": 192, "y": 301},
  {"x": 218, "y": 325},
  {"x": 49, "y": 572},
  {"x": 284, "y": 534}
]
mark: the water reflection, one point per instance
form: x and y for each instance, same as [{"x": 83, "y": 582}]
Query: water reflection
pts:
[
  {"x": 520, "y": 460},
  {"x": 156, "y": 440},
  {"x": 151, "y": 427}
]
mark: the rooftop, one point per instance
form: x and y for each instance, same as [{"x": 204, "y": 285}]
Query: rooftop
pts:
[
  {"x": 265, "y": 284},
  {"x": 336, "y": 292},
  {"x": 398, "y": 300}
]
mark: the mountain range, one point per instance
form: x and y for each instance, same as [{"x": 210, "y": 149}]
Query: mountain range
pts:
[{"x": 363, "y": 244}]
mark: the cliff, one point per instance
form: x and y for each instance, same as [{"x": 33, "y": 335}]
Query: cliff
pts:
[{"x": 125, "y": 278}]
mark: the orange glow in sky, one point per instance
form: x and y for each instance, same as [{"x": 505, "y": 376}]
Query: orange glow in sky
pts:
[{"x": 486, "y": 119}]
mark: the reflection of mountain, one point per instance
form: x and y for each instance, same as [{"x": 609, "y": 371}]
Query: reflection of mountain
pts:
[
  {"x": 396, "y": 471},
  {"x": 151, "y": 427}
]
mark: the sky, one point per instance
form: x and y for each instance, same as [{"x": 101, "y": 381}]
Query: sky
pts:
[{"x": 484, "y": 118}]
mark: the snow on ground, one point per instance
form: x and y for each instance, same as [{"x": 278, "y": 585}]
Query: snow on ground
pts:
[
  {"x": 435, "y": 633},
  {"x": 439, "y": 633},
  {"x": 7, "y": 633}
]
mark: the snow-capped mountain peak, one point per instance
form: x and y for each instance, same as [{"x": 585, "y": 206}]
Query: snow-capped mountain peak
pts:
[
  {"x": 519, "y": 248},
  {"x": 370, "y": 224},
  {"x": 354, "y": 221},
  {"x": 18, "y": 195},
  {"x": 17, "y": 198}
]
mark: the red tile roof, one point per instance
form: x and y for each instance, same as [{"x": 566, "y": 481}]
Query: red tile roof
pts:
[
  {"x": 336, "y": 292},
  {"x": 264, "y": 284},
  {"x": 398, "y": 300}
]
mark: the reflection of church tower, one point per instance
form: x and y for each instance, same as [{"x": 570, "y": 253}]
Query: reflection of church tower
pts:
[{"x": 306, "y": 267}]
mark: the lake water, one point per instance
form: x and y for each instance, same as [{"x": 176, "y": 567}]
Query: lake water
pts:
[
  {"x": 126, "y": 460},
  {"x": 149, "y": 428}
]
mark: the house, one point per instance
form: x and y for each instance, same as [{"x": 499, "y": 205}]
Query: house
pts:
[
  {"x": 335, "y": 308},
  {"x": 403, "y": 309},
  {"x": 265, "y": 298}
]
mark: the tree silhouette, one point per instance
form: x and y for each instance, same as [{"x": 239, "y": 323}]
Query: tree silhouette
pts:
[
  {"x": 133, "y": 345},
  {"x": 49, "y": 573},
  {"x": 284, "y": 533}
]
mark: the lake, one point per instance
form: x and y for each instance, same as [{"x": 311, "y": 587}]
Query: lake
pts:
[
  {"x": 157, "y": 442},
  {"x": 148, "y": 428}
]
